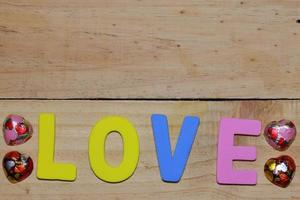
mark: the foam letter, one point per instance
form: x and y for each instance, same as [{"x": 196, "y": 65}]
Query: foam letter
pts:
[
  {"x": 172, "y": 167},
  {"x": 97, "y": 149},
  {"x": 46, "y": 167},
  {"x": 227, "y": 152}
]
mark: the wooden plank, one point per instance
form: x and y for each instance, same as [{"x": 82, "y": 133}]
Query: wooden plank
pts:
[
  {"x": 149, "y": 49},
  {"x": 76, "y": 118}
]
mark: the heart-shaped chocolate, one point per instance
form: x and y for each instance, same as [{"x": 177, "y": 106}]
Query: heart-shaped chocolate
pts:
[
  {"x": 17, "y": 166},
  {"x": 281, "y": 134},
  {"x": 16, "y": 130},
  {"x": 280, "y": 171}
]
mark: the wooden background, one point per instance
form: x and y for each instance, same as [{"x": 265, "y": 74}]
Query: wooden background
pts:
[{"x": 85, "y": 59}]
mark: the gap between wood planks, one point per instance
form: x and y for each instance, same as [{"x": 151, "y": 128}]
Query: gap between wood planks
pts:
[{"x": 149, "y": 99}]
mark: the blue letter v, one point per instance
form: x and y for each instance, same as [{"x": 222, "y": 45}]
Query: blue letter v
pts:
[{"x": 172, "y": 167}]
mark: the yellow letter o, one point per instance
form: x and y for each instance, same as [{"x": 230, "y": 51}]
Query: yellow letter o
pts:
[{"x": 97, "y": 149}]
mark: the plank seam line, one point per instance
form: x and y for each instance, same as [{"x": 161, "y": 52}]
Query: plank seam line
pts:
[{"x": 147, "y": 99}]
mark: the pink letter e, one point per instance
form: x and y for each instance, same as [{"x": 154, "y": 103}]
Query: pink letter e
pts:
[{"x": 227, "y": 152}]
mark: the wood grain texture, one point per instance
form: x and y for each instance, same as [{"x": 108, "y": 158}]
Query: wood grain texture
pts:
[
  {"x": 149, "y": 49},
  {"x": 74, "y": 120}
]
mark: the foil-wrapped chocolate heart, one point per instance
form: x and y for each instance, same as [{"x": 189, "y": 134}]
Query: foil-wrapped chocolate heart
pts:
[
  {"x": 16, "y": 130},
  {"x": 280, "y": 171},
  {"x": 17, "y": 166},
  {"x": 280, "y": 135}
]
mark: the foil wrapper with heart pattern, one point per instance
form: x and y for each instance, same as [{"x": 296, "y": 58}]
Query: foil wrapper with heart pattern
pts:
[
  {"x": 280, "y": 135},
  {"x": 17, "y": 166}
]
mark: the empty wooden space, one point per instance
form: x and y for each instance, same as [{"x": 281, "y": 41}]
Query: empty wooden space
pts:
[{"x": 149, "y": 49}]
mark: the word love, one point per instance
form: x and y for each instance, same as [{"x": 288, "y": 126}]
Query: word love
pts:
[{"x": 279, "y": 135}]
